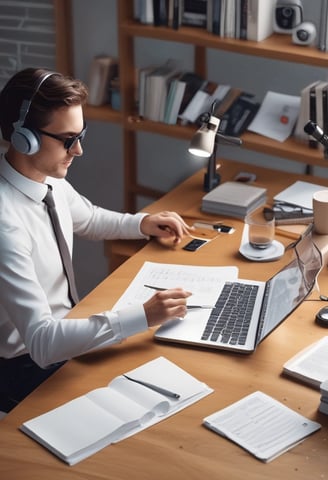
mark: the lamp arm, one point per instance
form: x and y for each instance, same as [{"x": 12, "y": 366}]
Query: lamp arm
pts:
[{"x": 221, "y": 138}]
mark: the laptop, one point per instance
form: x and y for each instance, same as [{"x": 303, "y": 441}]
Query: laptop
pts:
[{"x": 247, "y": 311}]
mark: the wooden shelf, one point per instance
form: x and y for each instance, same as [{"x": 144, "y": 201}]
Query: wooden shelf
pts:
[
  {"x": 279, "y": 47},
  {"x": 291, "y": 148}
]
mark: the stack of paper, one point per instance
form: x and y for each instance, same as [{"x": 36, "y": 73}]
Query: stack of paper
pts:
[
  {"x": 311, "y": 364},
  {"x": 299, "y": 194},
  {"x": 234, "y": 199},
  {"x": 129, "y": 404},
  {"x": 261, "y": 425},
  {"x": 323, "y": 407}
]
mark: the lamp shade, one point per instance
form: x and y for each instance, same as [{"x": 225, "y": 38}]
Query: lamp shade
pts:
[{"x": 202, "y": 143}]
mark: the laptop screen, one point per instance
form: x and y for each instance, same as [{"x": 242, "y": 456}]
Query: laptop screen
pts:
[{"x": 290, "y": 286}]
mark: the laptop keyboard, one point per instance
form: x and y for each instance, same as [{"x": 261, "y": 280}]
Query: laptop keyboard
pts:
[{"x": 229, "y": 320}]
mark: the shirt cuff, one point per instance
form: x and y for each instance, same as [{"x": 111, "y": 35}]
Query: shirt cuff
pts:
[{"x": 131, "y": 320}]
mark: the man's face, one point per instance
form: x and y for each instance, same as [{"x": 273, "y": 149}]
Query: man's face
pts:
[{"x": 53, "y": 159}]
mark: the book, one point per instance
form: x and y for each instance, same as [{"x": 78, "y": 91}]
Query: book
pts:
[
  {"x": 239, "y": 115},
  {"x": 260, "y": 14},
  {"x": 320, "y": 92},
  {"x": 174, "y": 17},
  {"x": 200, "y": 103},
  {"x": 227, "y": 97},
  {"x": 161, "y": 12},
  {"x": 193, "y": 83},
  {"x": 243, "y": 19},
  {"x": 194, "y": 13},
  {"x": 146, "y": 12},
  {"x": 261, "y": 425},
  {"x": 310, "y": 365},
  {"x": 299, "y": 194},
  {"x": 304, "y": 113},
  {"x": 234, "y": 199},
  {"x": 107, "y": 415},
  {"x": 323, "y": 27},
  {"x": 142, "y": 77},
  {"x": 313, "y": 112},
  {"x": 156, "y": 90},
  {"x": 325, "y": 109},
  {"x": 216, "y": 17},
  {"x": 229, "y": 20},
  {"x": 102, "y": 70},
  {"x": 173, "y": 101}
]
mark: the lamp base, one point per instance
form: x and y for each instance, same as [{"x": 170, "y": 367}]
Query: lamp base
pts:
[{"x": 211, "y": 181}]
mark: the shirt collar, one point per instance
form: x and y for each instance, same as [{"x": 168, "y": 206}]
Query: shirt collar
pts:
[{"x": 34, "y": 190}]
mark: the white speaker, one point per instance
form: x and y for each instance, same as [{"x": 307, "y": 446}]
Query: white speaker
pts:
[
  {"x": 304, "y": 34},
  {"x": 288, "y": 15}
]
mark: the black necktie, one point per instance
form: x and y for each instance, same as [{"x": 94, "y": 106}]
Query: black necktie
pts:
[{"x": 62, "y": 245}]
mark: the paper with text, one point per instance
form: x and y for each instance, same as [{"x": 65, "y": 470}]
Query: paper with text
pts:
[
  {"x": 261, "y": 425},
  {"x": 202, "y": 282}
]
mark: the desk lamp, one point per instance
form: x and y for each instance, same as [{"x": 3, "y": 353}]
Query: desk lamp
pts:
[{"x": 204, "y": 144}]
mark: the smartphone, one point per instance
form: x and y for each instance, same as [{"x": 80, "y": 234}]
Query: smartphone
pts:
[
  {"x": 225, "y": 229},
  {"x": 194, "y": 245}
]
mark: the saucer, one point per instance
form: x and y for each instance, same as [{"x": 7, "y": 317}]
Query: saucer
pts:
[{"x": 274, "y": 252}]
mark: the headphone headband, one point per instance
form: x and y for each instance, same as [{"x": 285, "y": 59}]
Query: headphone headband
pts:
[{"x": 26, "y": 104}]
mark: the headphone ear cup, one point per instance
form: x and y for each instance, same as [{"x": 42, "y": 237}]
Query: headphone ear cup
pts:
[{"x": 25, "y": 141}]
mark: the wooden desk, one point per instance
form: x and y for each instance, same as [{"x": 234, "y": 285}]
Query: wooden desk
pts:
[{"x": 179, "y": 448}]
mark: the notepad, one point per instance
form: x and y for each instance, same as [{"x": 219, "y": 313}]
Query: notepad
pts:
[
  {"x": 234, "y": 199},
  {"x": 310, "y": 365},
  {"x": 261, "y": 425},
  {"x": 299, "y": 194},
  {"x": 107, "y": 415}
]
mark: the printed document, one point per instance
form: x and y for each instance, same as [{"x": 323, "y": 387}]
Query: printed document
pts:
[{"x": 261, "y": 425}]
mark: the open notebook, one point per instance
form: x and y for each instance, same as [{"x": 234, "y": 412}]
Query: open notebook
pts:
[{"x": 266, "y": 305}]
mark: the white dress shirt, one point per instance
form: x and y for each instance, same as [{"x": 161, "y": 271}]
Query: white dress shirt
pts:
[{"x": 33, "y": 287}]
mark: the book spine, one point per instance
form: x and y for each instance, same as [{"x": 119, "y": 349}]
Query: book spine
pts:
[
  {"x": 176, "y": 14},
  {"x": 161, "y": 15},
  {"x": 323, "y": 27},
  {"x": 325, "y": 110},
  {"x": 313, "y": 114},
  {"x": 216, "y": 17},
  {"x": 146, "y": 12},
  {"x": 243, "y": 19}
]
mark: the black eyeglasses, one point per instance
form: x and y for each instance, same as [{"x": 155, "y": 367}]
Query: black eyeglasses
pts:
[{"x": 69, "y": 142}]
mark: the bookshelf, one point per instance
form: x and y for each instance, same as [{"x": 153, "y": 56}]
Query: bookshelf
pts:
[{"x": 277, "y": 47}]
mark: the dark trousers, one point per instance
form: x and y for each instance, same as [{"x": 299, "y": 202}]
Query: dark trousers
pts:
[{"x": 18, "y": 377}]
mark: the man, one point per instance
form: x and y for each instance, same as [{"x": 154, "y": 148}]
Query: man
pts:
[{"x": 42, "y": 119}]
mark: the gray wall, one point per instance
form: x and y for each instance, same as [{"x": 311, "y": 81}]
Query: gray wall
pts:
[{"x": 163, "y": 162}]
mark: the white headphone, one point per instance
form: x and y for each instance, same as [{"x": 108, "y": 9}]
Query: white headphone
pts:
[{"x": 23, "y": 139}]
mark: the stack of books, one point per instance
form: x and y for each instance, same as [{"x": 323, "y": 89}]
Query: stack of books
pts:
[
  {"x": 234, "y": 199},
  {"x": 244, "y": 19},
  {"x": 323, "y": 407},
  {"x": 314, "y": 107}
]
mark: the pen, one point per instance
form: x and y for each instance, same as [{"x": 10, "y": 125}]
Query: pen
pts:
[
  {"x": 156, "y": 388},
  {"x": 159, "y": 289},
  {"x": 189, "y": 307},
  {"x": 192, "y": 307}
]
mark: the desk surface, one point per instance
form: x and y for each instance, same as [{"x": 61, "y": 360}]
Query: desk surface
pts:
[{"x": 179, "y": 447}]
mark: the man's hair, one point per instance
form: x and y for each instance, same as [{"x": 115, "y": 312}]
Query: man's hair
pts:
[{"x": 55, "y": 92}]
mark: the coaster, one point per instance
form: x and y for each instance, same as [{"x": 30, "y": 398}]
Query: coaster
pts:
[{"x": 274, "y": 252}]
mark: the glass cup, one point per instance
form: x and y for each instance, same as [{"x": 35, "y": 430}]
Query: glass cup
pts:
[{"x": 260, "y": 230}]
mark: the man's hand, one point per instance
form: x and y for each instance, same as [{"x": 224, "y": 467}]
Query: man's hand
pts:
[
  {"x": 166, "y": 305},
  {"x": 165, "y": 225}
]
